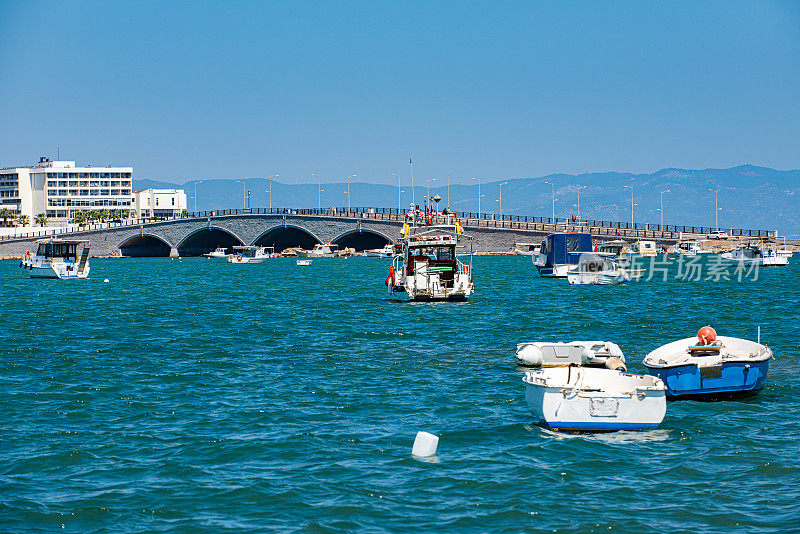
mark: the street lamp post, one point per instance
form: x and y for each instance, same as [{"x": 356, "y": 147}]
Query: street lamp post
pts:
[
  {"x": 554, "y": 200},
  {"x": 319, "y": 191},
  {"x": 244, "y": 193},
  {"x": 397, "y": 175},
  {"x": 716, "y": 207},
  {"x": 270, "y": 189},
  {"x": 195, "y": 194},
  {"x": 501, "y": 199},
  {"x": 479, "y": 195},
  {"x": 662, "y": 208},
  {"x": 411, "y": 167},
  {"x": 348, "y": 191},
  {"x": 579, "y": 199},
  {"x": 632, "y": 204}
]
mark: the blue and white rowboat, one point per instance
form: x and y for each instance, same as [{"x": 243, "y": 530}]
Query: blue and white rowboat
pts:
[{"x": 727, "y": 368}]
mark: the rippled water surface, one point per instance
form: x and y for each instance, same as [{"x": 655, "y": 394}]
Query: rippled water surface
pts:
[{"x": 197, "y": 396}]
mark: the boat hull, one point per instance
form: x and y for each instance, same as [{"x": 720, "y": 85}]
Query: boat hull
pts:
[
  {"x": 724, "y": 381},
  {"x": 562, "y": 408},
  {"x": 554, "y": 271},
  {"x": 57, "y": 272}
]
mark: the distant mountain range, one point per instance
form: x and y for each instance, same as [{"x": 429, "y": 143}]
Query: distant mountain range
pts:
[{"x": 749, "y": 197}]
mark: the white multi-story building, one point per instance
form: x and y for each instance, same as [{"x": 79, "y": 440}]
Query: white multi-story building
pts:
[
  {"x": 59, "y": 189},
  {"x": 159, "y": 203}
]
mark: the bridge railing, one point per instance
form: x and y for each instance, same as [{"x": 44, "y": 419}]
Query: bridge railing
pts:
[{"x": 469, "y": 219}]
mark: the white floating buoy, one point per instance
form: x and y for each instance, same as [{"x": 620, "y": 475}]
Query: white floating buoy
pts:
[
  {"x": 425, "y": 444},
  {"x": 106, "y": 280}
]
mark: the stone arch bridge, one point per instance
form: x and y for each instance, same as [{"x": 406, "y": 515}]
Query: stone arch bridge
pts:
[{"x": 284, "y": 228}]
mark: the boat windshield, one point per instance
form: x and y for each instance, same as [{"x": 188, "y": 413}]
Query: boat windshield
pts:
[
  {"x": 57, "y": 250},
  {"x": 434, "y": 253},
  {"x": 573, "y": 243}
]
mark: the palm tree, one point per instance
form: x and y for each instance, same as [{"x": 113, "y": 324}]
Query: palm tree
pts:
[
  {"x": 23, "y": 220},
  {"x": 5, "y": 213},
  {"x": 80, "y": 217},
  {"x": 41, "y": 219}
]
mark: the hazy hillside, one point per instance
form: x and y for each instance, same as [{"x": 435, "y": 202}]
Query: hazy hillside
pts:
[{"x": 749, "y": 196}]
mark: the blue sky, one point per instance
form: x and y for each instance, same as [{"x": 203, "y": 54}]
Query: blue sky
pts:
[{"x": 184, "y": 90}]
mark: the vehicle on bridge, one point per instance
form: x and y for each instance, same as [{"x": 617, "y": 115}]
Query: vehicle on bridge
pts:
[
  {"x": 428, "y": 268},
  {"x": 58, "y": 258}
]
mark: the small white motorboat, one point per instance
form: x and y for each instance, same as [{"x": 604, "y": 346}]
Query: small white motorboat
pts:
[
  {"x": 644, "y": 249},
  {"x": 755, "y": 253},
  {"x": 590, "y": 353},
  {"x": 304, "y": 262},
  {"x": 595, "y": 269},
  {"x": 250, "y": 254},
  {"x": 385, "y": 252},
  {"x": 58, "y": 258},
  {"x": 219, "y": 252},
  {"x": 320, "y": 250},
  {"x": 589, "y": 399},
  {"x": 527, "y": 249}
]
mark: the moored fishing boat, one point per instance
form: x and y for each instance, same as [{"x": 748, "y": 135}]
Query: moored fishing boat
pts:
[
  {"x": 428, "y": 267},
  {"x": 386, "y": 252},
  {"x": 588, "y": 399},
  {"x": 250, "y": 254},
  {"x": 755, "y": 253},
  {"x": 219, "y": 252},
  {"x": 644, "y": 249},
  {"x": 593, "y": 269},
  {"x": 320, "y": 250},
  {"x": 560, "y": 252},
  {"x": 58, "y": 258},
  {"x": 710, "y": 367},
  {"x": 527, "y": 249}
]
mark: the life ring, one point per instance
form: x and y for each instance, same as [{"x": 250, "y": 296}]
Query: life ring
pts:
[
  {"x": 238, "y": 257},
  {"x": 390, "y": 278}
]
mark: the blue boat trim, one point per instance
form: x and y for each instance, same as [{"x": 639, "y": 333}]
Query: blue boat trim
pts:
[
  {"x": 735, "y": 379},
  {"x": 602, "y": 426}
]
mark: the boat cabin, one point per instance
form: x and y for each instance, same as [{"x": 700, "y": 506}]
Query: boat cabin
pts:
[
  {"x": 560, "y": 249},
  {"x": 647, "y": 248},
  {"x": 613, "y": 248},
  {"x": 433, "y": 255},
  {"x": 59, "y": 249}
]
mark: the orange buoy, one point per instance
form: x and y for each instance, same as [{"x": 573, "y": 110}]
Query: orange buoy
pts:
[{"x": 706, "y": 335}]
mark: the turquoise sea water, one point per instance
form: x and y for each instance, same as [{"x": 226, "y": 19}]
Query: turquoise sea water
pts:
[{"x": 198, "y": 396}]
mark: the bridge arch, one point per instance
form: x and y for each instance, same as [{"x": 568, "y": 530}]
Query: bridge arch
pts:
[
  {"x": 362, "y": 239},
  {"x": 206, "y": 239},
  {"x": 287, "y": 236},
  {"x": 145, "y": 245}
]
